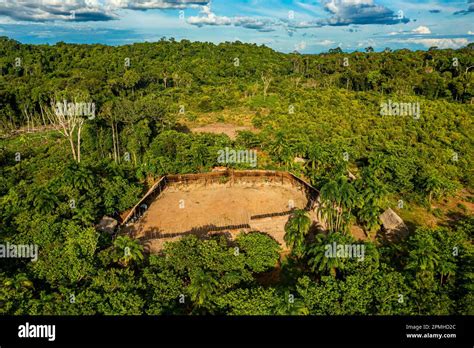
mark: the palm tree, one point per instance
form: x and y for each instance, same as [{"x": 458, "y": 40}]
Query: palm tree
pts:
[
  {"x": 374, "y": 191},
  {"x": 423, "y": 261},
  {"x": 348, "y": 194},
  {"x": 126, "y": 250},
  {"x": 377, "y": 165},
  {"x": 371, "y": 200},
  {"x": 295, "y": 306},
  {"x": 446, "y": 268},
  {"x": 328, "y": 207},
  {"x": 296, "y": 230},
  {"x": 279, "y": 148},
  {"x": 314, "y": 161},
  {"x": 433, "y": 186},
  {"x": 83, "y": 215},
  {"x": 45, "y": 200},
  {"x": 200, "y": 155},
  {"x": 320, "y": 260},
  {"x": 201, "y": 287},
  {"x": 79, "y": 177},
  {"x": 338, "y": 197},
  {"x": 424, "y": 255},
  {"x": 83, "y": 179},
  {"x": 369, "y": 217}
]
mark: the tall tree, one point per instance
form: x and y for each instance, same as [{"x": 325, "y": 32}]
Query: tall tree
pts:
[
  {"x": 338, "y": 198},
  {"x": 296, "y": 230},
  {"x": 201, "y": 288}
]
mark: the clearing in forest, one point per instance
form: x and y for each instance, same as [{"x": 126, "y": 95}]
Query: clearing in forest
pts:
[
  {"x": 200, "y": 208},
  {"x": 221, "y": 128}
]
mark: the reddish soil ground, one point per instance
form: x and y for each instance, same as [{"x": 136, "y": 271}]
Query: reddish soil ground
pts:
[
  {"x": 181, "y": 208},
  {"x": 221, "y": 128},
  {"x": 358, "y": 233}
]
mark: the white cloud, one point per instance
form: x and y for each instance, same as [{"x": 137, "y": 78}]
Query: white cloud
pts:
[
  {"x": 208, "y": 18},
  {"x": 47, "y": 10},
  {"x": 470, "y": 32},
  {"x": 440, "y": 43},
  {"x": 421, "y": 30},
  {"x": 83, "y": 10},
  {"x": 300, "y": 46},
  {"x": 304, "y": 24},
  {"x": 261, "y": 24},
  {"x": 154, "y": 4},
  {"x": 337, "y": 6},
  {"x": 346, "y": 12},
  {"x": 325, "y": 43}
]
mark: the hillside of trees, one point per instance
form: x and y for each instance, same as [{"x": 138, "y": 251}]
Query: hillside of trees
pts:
[{"x": 59, "y": 179}]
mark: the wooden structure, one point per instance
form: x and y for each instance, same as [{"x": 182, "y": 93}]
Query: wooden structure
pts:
[{"x": 228, "y": 176}]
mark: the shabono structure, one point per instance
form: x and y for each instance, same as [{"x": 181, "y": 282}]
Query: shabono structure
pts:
[{"x": 226, "y": 202}]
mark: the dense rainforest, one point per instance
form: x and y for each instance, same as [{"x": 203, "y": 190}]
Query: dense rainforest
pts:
[{"x": 60, "y": 176}]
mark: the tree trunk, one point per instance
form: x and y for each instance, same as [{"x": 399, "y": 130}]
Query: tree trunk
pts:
[
  {"x": 79, "y": 141},
  {"x": 42, "y": 116},
  {"x": 118, "y": 143},
  {"x": 71, "y": 142},
  {"x": 113, "y": 142}
]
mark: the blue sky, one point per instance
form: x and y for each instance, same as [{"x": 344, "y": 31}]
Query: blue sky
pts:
[{"x": 308, "y": 26}]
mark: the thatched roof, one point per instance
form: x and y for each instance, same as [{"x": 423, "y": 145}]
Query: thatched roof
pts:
[
  {"x": 393, "y": 224},
  {"x": 107, "y": 224}
]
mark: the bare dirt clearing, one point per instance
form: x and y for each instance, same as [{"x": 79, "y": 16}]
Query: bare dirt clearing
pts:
[
  {"x": 221, "y": 128},
  {"x": 197, "y": 209}
]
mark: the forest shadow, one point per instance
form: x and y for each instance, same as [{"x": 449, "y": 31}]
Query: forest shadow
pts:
[
  {"x": 396, "y": 235},
  {"x": 453, "y": 218},
  {"x": 182, "y": 128},
  {"x": 201, "y": 232}
]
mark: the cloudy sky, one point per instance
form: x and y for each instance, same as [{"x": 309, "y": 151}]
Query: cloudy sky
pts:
[{"x": 308, "y": 26}]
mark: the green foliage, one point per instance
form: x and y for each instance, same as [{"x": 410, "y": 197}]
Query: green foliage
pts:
[
  {"x": 296, "y": 230},
  {"x": 127, "y": 250},
  {"x": 69, "y": 258},
  {"x": 315, "y": 109},
  {"x": 118, "y": 194},
  {"x": 338, "y": 198},
  {"x": 260, "y": 251},
  {"x": 114, "y": 292},
  {"x": 201, "y": 288},
  {"x": 319, "y": 258},
  {"x": 164, "y": 287},
  {"x": 253, "y": 301}
]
